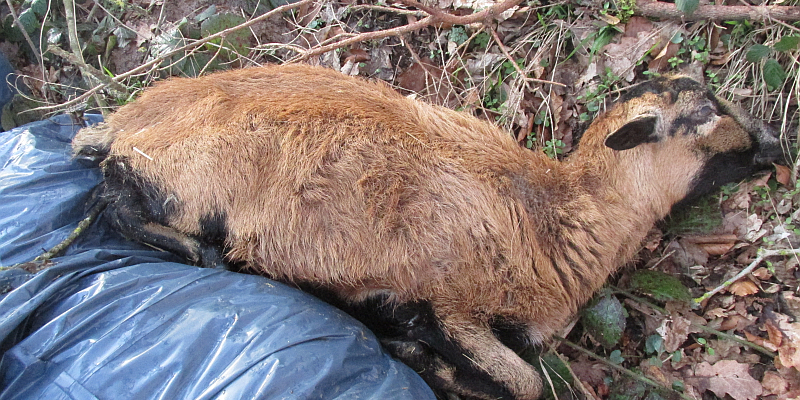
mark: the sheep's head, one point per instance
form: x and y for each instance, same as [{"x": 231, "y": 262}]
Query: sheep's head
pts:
[{"x": 687, "y": 138}]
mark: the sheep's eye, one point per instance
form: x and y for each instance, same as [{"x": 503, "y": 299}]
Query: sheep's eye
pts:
[{"x": 704, "y": 112}]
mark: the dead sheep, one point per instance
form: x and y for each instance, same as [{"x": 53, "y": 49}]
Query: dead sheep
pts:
[{"x": 437, "y": 229}]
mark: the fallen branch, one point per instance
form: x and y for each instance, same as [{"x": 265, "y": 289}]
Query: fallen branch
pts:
[
  {"x": 762, "y": 254},
  {"x": 90, "y": 70},
  {"x": 441, "y": 16},
  {"x": 22, "y": 29},
  {"x": 519, "y": 70},
  {"x": 622, "y": 370},
  {"x": 187, "y": 47},
  {"x": 43, "y": 260},
  {"x": 434, "y": 16},
  {"x": 723, "y": 335},
  {"x": 662, "y": 10}
]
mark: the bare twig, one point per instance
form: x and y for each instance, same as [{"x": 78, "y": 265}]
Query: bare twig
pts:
[
  {"x": 362, "y": 37},
  {"x": 762, "y": 254},
  {"x": 75, "y": 47},
  {"x": 723, "y": 335},
  {"x": 441, "y": 16},
  {"x": 164, "y": 56},
  {"x": 521, "y": 73},
  {"x": 88, "y": 69},
  {"x": 620, "y": 369},
  {"x": 42, "y": 259},
  {"x": 24, "y": 32},
  {"x": 435, "y": 16},
  {"x": 663, "y": 10}
]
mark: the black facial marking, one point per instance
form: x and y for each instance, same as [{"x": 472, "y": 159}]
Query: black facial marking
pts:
[
  {"x": 512, "y": 334},
  {"x": 721, "y": 169},
  {"x": 125, "y": 184}
]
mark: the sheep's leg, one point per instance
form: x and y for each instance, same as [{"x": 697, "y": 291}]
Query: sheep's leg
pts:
[
  {"x": 479, "y": 364},
  {"x": 136, "y": 208},
  {"x": 455, "y": 353},
  {"x": 129, "y": 221}
]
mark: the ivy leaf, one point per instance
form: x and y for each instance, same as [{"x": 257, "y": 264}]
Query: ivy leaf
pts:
[
  {"x": 616, "y": 357},
  {"x": 687, "y": 6},
  {"x": 787, "y": 43},
  {"x": 235, "y": 42},
  {"x": 774, "y": 74},
  {"x": 654, "y": 344},
  {"x": 756, "y": 53},
  {"x": 604, "y": 319}
]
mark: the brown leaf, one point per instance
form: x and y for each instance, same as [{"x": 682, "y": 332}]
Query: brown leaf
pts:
[
  {"x": 716, "y": 249},
  {"x": 762, "y": 273},
  {"x": 743, "y": 288},
  {"x": 660, "y": 63},
  {"x": 729, "y": 377},
  {"x": 636, "y": 25},
  {"x": 789, "y": 344},
  {"x": 591, "y": 372},
  {"x": 675, "y": 331},
  {"x": 773, "y": 383},
  {"x": 783, "y": 174}
]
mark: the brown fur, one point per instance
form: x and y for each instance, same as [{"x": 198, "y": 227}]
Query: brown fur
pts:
[{"x": 347, "y": 185}]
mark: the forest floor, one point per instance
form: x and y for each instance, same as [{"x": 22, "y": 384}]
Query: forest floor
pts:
[{"x": 542, "y": 71}]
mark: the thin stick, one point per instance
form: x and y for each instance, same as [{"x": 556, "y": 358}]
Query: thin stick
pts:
[
  {"x": 721, "y": 334},
  {"x": 664, "y": 10},
  {"x": 521, "y": 73},
  {"x": 435, "y": 16},
  {"x": 91, "y": 216},
  {"x": 90, "y": 70},
  {"x": 762, "y": 254},
  {"x": 164, "y": 56},
  {"x": 24, "y": 32},
  {"x": 622, "y": 370},
  {"x": 441, "y": 16}
]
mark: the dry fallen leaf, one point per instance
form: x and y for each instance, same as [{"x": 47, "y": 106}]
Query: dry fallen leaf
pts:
[
  {"x": 727, "y": 377},
  {"x": 743, "y": 288},
  {"x": 783, "y": 174},
  {"x": 789, "y": 344},
  {"x": 773, "y": 383},
  {"x": 762, "y": 273},
  {"x": 675, "y": 331}
]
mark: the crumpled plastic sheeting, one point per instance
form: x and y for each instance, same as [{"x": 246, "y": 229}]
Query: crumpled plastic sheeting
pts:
[{"x": 113, "y": 319}]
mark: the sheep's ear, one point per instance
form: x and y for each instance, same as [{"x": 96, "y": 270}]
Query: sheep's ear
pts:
[{"x": 641, "y": 129}]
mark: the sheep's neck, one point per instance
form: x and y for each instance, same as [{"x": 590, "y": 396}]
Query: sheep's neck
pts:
[{"x": 616, "y": 200}]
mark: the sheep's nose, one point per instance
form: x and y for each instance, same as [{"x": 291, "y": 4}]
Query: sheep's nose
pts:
[{"x": 769, "y": 147}]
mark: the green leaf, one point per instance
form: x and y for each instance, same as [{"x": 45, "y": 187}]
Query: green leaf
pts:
[
  {"x": 687, "y": 6},
  {"x": 756, "y": 53},
  {"x": 654, "y": 344},
  {"x": 787, "y": 43},
  {"x": 774, "y": 74},
  {"x": 28, "y": 19},
  {"x": 659, "y": 285},
  {"x": 616, "y": 357},
  {"x": 39, "y": 7},
  {"x": 458, "y": 35},
  {"x": 604, "y": 319},
  {"x": 235, "y": 42}
]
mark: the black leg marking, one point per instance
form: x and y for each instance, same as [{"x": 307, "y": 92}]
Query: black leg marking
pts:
[
  {"x": 139, "y": 210},
  {"x": 412, "y": 333}
]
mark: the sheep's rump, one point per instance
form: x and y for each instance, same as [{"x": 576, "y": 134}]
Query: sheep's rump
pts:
[{"x": 113, "y": 316}]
